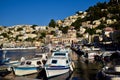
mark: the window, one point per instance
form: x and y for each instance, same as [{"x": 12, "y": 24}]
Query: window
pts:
[
  {"x": 36, "y": 56},
  {"x": 44, "y": 61},
  {"x": 59, "y": 54},
  {"x": 22, "y": 63},
  {"x": 66, "y": 61},
  {"x": 28, "y": 63},
  {"x": 54, "y": 61},
  {"x": 38, "y": 63}
]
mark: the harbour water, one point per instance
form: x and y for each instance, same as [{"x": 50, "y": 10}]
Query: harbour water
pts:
[
  {"x": 17, "y": 54},
  {"x": 81, "y": 71}
]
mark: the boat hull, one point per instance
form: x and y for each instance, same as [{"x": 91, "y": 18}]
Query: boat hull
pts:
[
  {"x": 56, "y": 71},
  {"x": 21, "y": 71},
  {"x": 4, "y": 71}
]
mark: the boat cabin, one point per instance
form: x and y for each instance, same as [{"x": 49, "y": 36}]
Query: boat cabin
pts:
[
  {"x": 61, "y": 61},
  {"x": 41, "y": 56},
  {"x": 60, "y": 54},
  {"x": 34, "y": 62}
]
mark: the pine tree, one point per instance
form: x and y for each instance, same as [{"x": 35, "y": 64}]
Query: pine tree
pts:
[
  {"x": 52, "y": 23},
  {"x": 114, "y": 1}
]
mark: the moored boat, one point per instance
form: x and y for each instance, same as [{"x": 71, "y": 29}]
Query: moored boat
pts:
[
  {"x": 111, "y": 71},
  {"x": 60, "y": 54},
  {"x": 31, "y": 66},
  {"x": 28, "y": 67},
  {"x": 3, "y": 58},
  {"x": 56, "y": 66}
]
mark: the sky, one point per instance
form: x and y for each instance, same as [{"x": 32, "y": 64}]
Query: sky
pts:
[{"x": 40, "y": 12}]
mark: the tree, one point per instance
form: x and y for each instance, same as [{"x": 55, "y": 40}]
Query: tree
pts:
[
  {"x": 64, "y": 29},
  {"x": 53, "y": 33},
  {"x": 9, "y": 32},
  {"x": 77, "y": 23},
  {"x": 114, "y": 2},
  {"x": 52, "y": 23},
  {"x": 29, "y": 39},
  {"x": 101, "y": 26},
  {"x": 79, "y": 35},
  {"x": 33, "y": 26},
  {"x": 90, "y": 31},
  {"x": 116, "y": 25},
  {"x": 4, "y": 35},
  {"x": 95, "y": 12},
  {"x": 102, "y": 5},
  {"x": 1, "y": 28},
  {"x": 79, "y": 13},
  {"x": 34, "y": 32},
  {"x": 16, "y": 38},
  {"x": 43, "y": 34},
  {"x": 19, "y": 29}
]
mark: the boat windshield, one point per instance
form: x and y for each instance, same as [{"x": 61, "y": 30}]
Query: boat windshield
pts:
[
  {"x": 59, "y": 54},
  {"x": 38, "y": 56},
  {"x": 54, "y": 61},
  {"x": 66, "y": 61},
  {"x": 39, "y": 63},
  {"x": 28, "y": 62}
]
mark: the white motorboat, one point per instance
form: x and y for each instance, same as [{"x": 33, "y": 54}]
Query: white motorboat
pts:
[
  {"x": 60, "y": 54},
  {"x": 28, "y": 67},
  {"x": 41, "y": 56},
  {"x": 56, "y": 66}
]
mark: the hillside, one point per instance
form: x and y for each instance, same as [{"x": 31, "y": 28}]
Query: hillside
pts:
[
  {"x": 104, "y": 12},
  {"x": 87, "y": 25},
  {"x": 95, "y": 18}
]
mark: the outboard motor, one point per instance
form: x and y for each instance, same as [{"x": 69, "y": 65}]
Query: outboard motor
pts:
[
  {"x": 22, "y": 59},
  {"x": 3, "y": 58}
]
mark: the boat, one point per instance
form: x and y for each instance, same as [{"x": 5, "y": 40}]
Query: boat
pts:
[
  {"x": 111, "y": 71},
  {"x": 3, "y": 58},
  {"x": 67, "y": 50},
  {"x": 31, "y": 66},
  {"x": 61, "y": 48},
  {"x": 4, "y": 70},
  {"x": 28, "y": 67},
  {"x": 60, "y": 54},
  {"x": 12, "y": 63},
  {"x": 5, "y": 64},
  {"x": 19, "y": 48},
  {"x": 57, "y": 66},
  {"x": 55, "y": 49},
  {"x": 90, "y": 56},
  {"x": 43, "y": 56}
]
